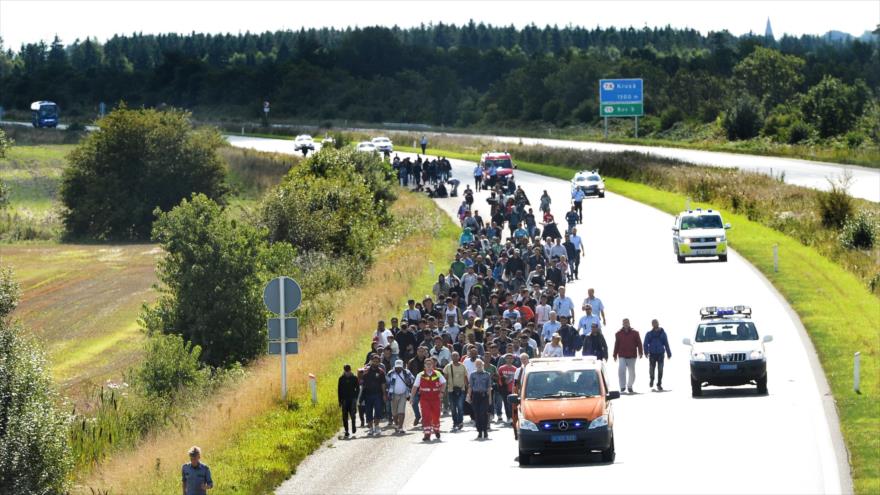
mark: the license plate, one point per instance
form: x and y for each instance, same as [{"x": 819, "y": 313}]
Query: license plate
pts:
[
  {"x": 727, "y": 367},
  {"x": 563, "y": 438}
]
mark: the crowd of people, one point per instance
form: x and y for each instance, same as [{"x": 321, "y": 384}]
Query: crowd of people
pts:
[{"x": 503, "y": 301}]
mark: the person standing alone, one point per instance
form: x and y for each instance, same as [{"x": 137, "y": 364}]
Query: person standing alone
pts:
[
  {"x": 480, "y": 396},
  {"x": 195, "y": 475},
  {"x": 627, "y": 346},
  {"x": 657, "y": 348},
  {"x": 429, "y": 385},
  {"x": 348, "y": 390}
]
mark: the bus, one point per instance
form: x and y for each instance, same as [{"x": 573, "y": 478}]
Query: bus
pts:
[{"x": 44, "y": 114}]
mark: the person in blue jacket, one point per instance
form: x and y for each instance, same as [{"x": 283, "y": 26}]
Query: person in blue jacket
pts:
[
  {"x": 657, "y": 349},
  {"x": 467, "y": 237}
]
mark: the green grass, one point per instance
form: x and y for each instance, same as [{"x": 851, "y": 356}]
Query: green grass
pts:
[
  {"x": 811, "y": 284},
  {"x": 268, "y": 450},
  {"x": 33, "y": 174}
]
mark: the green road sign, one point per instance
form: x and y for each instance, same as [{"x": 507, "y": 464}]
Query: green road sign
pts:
[{"x": 621, "y": 109}]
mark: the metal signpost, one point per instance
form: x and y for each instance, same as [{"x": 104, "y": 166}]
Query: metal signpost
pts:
[
  {"x": 283, "y": 295},
  {"x": 621, "y": 98},
  {"x": 102, "y": 109},
  {"x": 266, "y": 113}
]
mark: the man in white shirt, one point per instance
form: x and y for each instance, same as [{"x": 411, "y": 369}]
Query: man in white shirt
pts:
[
  {"x": 558, "y": 250},
  {"x": 542, "y": 312},
  {"x": 595, "y": 303},
  {"x": 382, "y": 334},
  {"x": 550, "y": 327},
  {"x": 563, "y": 305},
  {"x": 399, "y": 382},
  {"x": 586, "y": 322},
  {"x": 411, "y": 314},
  {"x": 468, "y": 280},
  {"x": 579, "y": 247}
]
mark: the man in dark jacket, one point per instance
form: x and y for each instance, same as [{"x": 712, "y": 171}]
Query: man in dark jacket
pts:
[
  {"x": 657, "y": 348},
  {"x": 594, "y": 343},
  {"x": 347, "y": 390},
  {"x": 570, "y": 338}
]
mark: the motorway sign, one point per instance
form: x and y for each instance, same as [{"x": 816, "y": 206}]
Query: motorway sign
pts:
[
  {"x": 620, "y": 91},
  {"x": 292, "y": 295},
  {"x": 291, "y": 347},
  {"x": 621, "y": 109},
  {"x": 266, "y": 107},
  {"x": 291, "y": 328}
]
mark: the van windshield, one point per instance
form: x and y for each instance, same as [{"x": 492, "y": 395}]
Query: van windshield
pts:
[
  {"x": 701, "y": 222},
  {"x": 561, "y": 384},
  {"x": 713, "y": 332}
]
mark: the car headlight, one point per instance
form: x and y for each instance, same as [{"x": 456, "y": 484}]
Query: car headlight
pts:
[
  {"x": 721, "y": 239},
  {"x": 599, "y": 422},
  {"x": 758, "y": 354},
  {"x": 699, "y": 356},
  {"x": 525, "y": 424},
  {"x": 686, "y": 240}
]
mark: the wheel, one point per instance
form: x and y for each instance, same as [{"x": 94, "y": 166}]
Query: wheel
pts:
[
  {"x": 601, "y": 195},
  {"x": 722, "y": 258},
  {"x": 762, "y": 385},
  {"x": 524, "y": 458},
  {"x": 696, "y": 388},
  {"x": 680, "y": 258},
  {"x": 608, "y": 454}
]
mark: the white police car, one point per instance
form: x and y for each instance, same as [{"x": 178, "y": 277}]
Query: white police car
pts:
[
  {"x": 727, "y": 351},
  {"x": 590, "y": 182},
  {"x": 698, "y": 233}
]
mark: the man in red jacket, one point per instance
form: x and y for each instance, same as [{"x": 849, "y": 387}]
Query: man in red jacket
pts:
[
  {"x": 627, "y": 346},
  {"x": 429, "y": 385}
]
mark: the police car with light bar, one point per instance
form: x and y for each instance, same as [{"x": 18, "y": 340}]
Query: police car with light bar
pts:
[
  {"x": 727, "y": 351},
  {"x": 698, "y": 233},
  {"x": 590, "y": 182}
]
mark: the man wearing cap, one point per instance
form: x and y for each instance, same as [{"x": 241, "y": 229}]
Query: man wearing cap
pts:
[
  {"x": 429, "y": 385},
  {"x": 196, "y": 477},
  {"x": 400, "y": 381},
  {"x": 347, "y": 390}
]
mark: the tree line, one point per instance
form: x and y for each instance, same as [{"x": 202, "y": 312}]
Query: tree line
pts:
[{"x": 470, "y": 75}]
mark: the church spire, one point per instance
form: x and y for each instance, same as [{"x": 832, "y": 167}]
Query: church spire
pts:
[{"x": 768, "y": 31}]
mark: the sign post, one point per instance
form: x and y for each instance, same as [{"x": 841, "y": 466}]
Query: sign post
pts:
[
  {"x": 102, "y": 109},
  {"x": 621, "y": 98},
  {"x": 266, "y": 113},
  {"x": 281, "y": 296}
]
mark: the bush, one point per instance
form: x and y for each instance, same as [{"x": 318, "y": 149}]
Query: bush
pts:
[
  {"x": 211, "y": 291},
  {"x": 9, "y": 293},
  {"x": 34, "y": 452},
  {"x": 5, "y": 143},
  {"x": 352, "y": 166},
  {"x": 744, "y": 119},
  {"x": 670, "y": 117},
  {"x": 836, "y": 205},
  {"x": 859, "y": 232},
  {"x": 854, "y": 139},
  {"x": 799, "y": 132},
  {"x": 140, "y": 160},
  {"x": 170, "y": 365}
]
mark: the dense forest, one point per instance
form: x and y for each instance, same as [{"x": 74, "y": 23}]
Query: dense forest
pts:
[{"x": 471, "y": 75}]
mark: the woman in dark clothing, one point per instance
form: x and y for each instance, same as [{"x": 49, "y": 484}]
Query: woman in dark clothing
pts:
[{"x": 480, "y": 396}]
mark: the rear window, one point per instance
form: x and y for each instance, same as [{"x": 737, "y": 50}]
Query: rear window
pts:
[{"x": 561, "y": 384}]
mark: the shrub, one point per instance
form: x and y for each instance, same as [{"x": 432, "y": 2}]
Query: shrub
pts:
[
  {"x": 211, "y": 286},
  {"x": 170, "y": 365},
  {"x": 854, "y": 139},
  {"x": 859, "y": 232},
  {"x": 744, "y": 119},
  {"x": 9, "y": 292},
  {"x": 670, "y": 117},
  {"x": 5, "y": 143},
  {"x": 836, "y": 205},
  {"x": 799, "y": 132},
  {"x": 352, "y": 166},
  {"x": 34, "y": 452},
  {"x": 140, "y": 160},
  {"x": 833, "y": 106}
]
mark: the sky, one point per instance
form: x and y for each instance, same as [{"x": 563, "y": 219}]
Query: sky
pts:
[{"x": 32, "y": 20}]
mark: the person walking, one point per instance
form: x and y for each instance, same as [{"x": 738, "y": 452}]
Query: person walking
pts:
[
  {"x": 347, "y": 390},
  {"x": 577, "y": 198},
  {"x": 554, "y": 347},
  {"x": 195, "y": 476},
  {"x": 507, "y": 374},
  {"x": 456, "y": 384},
  {"x": 593, "y": 343},
  {"x": 657, "y": 348},
  {"x": 563, "y": 305},
  {"x": 478, "y": 177},
  {"x": 424, "y": 144},
  {"x": 596, "y": 304},
  {"x": 429, "y": 385},
  {"x": 416, "y": 365},
  {"x": 480, "y": 396},
  {"x": 627, "y": 347},
  {"x": 575, "y": 260},
  {"x": 400, "y": 382},
  {"x": 373, "y": 391},
  {"x": 572, "y": 218}
]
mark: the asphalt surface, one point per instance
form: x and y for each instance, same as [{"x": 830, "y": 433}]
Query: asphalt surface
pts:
[
  {"x": 731, "y": 440},
  {"x": 865, "y": 181}
]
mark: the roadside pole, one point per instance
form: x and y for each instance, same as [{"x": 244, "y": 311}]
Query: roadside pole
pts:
[
  {"x": 637, "y": 126},
  {"x": 857, "y": 362},
  {"x": 283, "y": 345},
  {"x": 775, "y": 258},
  {"x": 283, "y": 295},
  {"x": 606, "y": 127}
]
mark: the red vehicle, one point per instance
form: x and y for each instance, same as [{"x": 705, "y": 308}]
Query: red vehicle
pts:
[{"x": 502, "y": 162}]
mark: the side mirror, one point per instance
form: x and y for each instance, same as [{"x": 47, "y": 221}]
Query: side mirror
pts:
[
  {"x": 727, "y": 226},
  {"x": 513, "y": 399},
  {"x": 686, "y": 341},
  {"x": 675, "y": 229},
  {"x": 612, "y": 395},
  {"x": 768, "y": 338}
]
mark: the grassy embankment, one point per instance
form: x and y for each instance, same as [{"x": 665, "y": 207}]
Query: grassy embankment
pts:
[
  {"x": 252, "y": 442},
  {"x": 82, "y": 300},
  {"x": 811, "y": 284}
]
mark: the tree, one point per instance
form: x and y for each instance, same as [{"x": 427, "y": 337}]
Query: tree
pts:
[
  {"x": 140, "y": 160},
  {"x": 171, "y": 365},
  {"x": 833, "y": 107},
  {"x": 744, "y": 119},
  {"x": 34, "y": 452},
  {"x": 770, "y": 76},
  {"x": 211, "y": 288}
]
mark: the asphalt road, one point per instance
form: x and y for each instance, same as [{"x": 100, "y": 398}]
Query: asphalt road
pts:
[
  {"x": 729, "y": 441},
  {"x": 865, "y": 182}
]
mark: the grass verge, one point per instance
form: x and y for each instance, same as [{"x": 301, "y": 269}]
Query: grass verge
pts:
[
  {"x": 252, "y": 441},
  {"x": 811, "y": 284}
]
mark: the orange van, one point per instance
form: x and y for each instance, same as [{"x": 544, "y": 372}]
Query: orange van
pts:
[{"x": 564, "y": 407}]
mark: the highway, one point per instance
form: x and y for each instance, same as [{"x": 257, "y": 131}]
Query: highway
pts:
[{"x": 728, "y": 441}]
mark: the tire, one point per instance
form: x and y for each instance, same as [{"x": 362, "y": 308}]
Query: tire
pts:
[
  {"x": 762, "y": 385},
  {"x": 602, "y": 195},
  {"x": 524, "y": 458},
  {"x": 723, "y": 258},
  {"x": 608, "y": 454},
  {"x": 696, "y": 388},
  {"x": 679, "y": 258}
]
